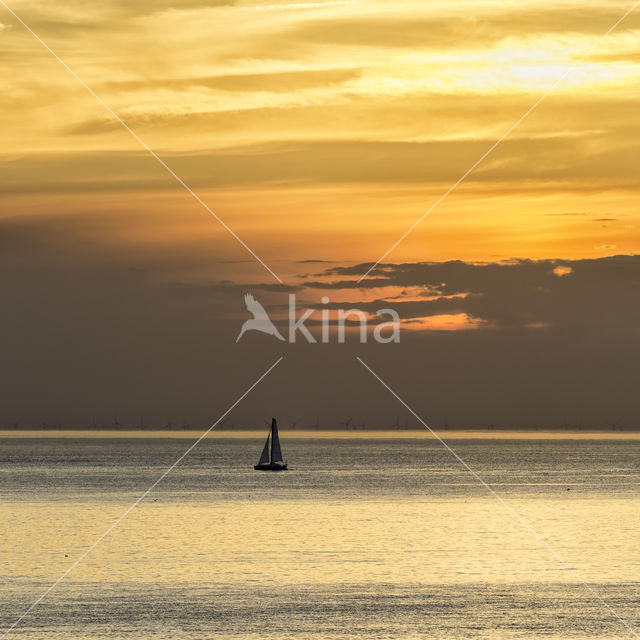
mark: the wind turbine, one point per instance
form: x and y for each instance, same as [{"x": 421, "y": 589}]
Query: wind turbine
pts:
[{"x": 347, "y": 424}]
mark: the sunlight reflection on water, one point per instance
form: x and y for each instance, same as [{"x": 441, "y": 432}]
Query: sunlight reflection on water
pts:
[{"x": 363, "y": 538}]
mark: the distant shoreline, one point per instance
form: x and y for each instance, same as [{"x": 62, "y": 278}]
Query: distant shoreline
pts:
[
  {"x": 283, "y": 427},
  {"x": 389, "y": 434}
]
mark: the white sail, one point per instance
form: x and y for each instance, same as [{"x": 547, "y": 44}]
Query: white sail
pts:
[
  {"x": 276, "y": 453},
  {"x": 264, "y": 458}
]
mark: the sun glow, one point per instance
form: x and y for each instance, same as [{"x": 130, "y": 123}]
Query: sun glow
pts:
[{"x": 334, "y": 120}]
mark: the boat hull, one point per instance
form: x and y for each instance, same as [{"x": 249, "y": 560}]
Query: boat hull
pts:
[{"x": 271, "y": 466}]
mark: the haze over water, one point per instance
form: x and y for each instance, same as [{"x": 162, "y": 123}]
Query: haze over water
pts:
[{"x": 365, "y": 537}]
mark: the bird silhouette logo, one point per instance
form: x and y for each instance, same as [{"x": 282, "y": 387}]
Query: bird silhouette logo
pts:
[{"x": 260, "y": 320}]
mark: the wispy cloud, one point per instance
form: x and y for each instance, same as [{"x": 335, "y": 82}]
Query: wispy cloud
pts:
[
  {"x": 517, "y": 294},
  {"x": 377, "y": 103}
]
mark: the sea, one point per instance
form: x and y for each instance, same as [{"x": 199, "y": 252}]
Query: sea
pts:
[{"x": 368, "y": 535}]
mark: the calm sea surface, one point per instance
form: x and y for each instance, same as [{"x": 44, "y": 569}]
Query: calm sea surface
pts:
[{"x": 370, "y": 537}]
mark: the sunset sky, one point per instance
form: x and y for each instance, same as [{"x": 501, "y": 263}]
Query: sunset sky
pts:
[
  {"x": 319, "y": 132},
  {"x": 306, "y": 125}
]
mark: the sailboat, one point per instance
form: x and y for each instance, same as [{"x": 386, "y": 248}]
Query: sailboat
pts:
[{"x": 271, "y": 459}]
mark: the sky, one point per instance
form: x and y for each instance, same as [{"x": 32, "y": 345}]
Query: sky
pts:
[{"x": 319, "y": 132}]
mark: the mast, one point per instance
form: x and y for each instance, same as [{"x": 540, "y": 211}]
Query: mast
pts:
[
  {"x": 276, "y": 453},
  {"x": 273, "y": 436}
]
